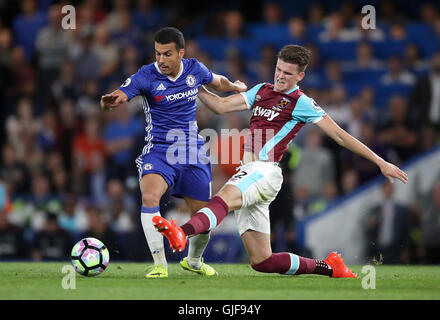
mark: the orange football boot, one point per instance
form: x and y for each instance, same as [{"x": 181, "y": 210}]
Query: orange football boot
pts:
[
  {"x": 172, "y": 232},
  {"x": 340, "y": 270}
]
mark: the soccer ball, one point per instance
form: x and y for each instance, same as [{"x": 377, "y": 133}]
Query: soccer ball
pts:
[{"x": 90, "y": 257}]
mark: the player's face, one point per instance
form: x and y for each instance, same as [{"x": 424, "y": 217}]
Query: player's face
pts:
[
  {"x": 286, "y": 76},
  {"x": 168, "y": 58}
]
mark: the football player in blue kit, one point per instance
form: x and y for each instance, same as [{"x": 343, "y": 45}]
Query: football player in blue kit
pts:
[{"x": 169, "y": 88}]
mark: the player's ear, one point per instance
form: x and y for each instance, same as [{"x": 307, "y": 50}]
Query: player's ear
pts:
[
  {"x": 181, "y": 53},
  {"x": 301, "y": 75}
]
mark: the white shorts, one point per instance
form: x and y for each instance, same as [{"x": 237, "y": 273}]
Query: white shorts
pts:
[{"x": 259, "y": 183}]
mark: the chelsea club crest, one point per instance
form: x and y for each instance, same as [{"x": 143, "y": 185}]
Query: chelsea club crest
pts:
[{"x": 190, "y": 80}]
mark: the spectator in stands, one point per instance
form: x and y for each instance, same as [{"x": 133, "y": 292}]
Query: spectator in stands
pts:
[
  {"x": 120, "y": 206},
  {"x": 431, "y": 225},
  {"x": 315, "y": 14},
  {"x": 98, "y": 227},
  {"x": 12, "y": 243},
  {"x": 60, "y": 181},
  {"x": 65, "y": 86},
  {"x": 67, "y": 128},
  {"x": 126, "y": 34},
  {"x": 425, "y": 97},
  {"x": 114, "y": 18},
  {"x": 52, "y": 46},
  {"x": 87, "y": 18},
  {"x": 233, "y": 25},
  {"x": 367, "y": 100},
  {"x": 333, "y": 74},
  {"x": 413, "y": 61},
  {"x": 336, "y": 30},
  {"x": 88, "y": 143},
  {"x": 338, "y": 107},
  {"x": 297, "y": 30},
  {"x": 26, "y": 27},
  {"x": 5, "y": 47},
  {"x": 397, "y": 74},
  {"x": 357, "y": 117},
  {"x": 235, "y": 66},
  {"x": 265, "y": 65},
  {"x": 120, "y": 135},
  {"x": 85, "y": 59},
  {"x": 5, "y": 75},
  {"x": 22, "y": 127},
  {"x": 147, "y": 17},
  {"x": 46, "y": 136},
  {"x": 52, "y": 243},
  {"x": 23, "y": 75},
  {"x": 365, "y": 60},
  {"x": 282, "y": 222},
  {"x": 106, "y": 51},
  {"x": 387, "y": 229},
  {"x": 399, "y": 131},
  {"x": 314, "y": 77},
  {"x": 388, "y": 12},
  {"x": 428, "y": 13},
  {"x": 349, "y": 180},
  {"x": 272, "y": 13},
  {"x": 397, "y": 32},
  {"x": 364, "y": 169},
  {"x": 14, "y": 172},
  {"x": 86, "y": 103},
  {"x": 316, "y": 166}
]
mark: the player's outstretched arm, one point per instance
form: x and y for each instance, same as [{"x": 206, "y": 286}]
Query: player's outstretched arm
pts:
[
  {"x": 344, "y": 139},
  {"x": 220, "y": 83},
  {"x": 113, "y": 100},
  {"x": 220, "y": 105}
]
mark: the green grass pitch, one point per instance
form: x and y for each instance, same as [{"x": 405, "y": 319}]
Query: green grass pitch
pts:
[{"x": 235, "y": 281}]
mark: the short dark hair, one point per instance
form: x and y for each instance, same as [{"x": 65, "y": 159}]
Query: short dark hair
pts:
[
  {"x": 168, "y": 35},
  {"x": 296, "y": 55}
]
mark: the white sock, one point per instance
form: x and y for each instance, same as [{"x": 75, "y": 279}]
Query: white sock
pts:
[
  {"x": 197, "y": 245},
  {"x": 154, "y": 238}
]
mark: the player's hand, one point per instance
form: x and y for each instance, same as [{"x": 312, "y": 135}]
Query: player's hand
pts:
[
  {"x": 111, "y": 100},
  {"x": 391, "y": 171},
  {"x": 240, "y": 86}
]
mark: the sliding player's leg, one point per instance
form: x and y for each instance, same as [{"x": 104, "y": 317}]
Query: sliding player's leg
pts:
[
  {"x": 262, "y": 259},
  {"x": 203, "y": 221},
  {"x": 251, "y": 184}
]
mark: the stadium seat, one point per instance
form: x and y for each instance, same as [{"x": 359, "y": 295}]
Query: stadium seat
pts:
[{"x": 337, "y": 50}]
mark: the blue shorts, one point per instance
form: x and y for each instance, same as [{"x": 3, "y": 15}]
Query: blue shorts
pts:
[{"x": 191, "y": 180}]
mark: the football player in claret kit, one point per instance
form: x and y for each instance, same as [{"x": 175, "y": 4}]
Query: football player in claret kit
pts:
[
  {"x": 169, "y": 89},
  {"x": 278, "y": 113}
]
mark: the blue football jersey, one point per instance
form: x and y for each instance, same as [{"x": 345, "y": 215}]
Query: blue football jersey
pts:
[{"x": 169, "y": 104}]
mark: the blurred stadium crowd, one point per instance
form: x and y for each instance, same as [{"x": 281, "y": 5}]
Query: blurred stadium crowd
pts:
[{"x": 67, "y": 168}]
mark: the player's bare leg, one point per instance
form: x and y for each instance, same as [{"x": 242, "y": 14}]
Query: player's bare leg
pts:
[{"x": 153, "y": 186}]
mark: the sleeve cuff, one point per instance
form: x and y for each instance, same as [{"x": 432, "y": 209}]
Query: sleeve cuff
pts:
[{"x": 246, "y": 100}]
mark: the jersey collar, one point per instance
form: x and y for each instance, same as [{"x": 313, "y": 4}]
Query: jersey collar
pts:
[
  {"x": 290, "y": 91},
  {"x": 172, "y": 79}
]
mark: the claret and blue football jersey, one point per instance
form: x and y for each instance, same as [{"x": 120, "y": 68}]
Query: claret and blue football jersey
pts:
[{"x": 276, "y": 119}]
